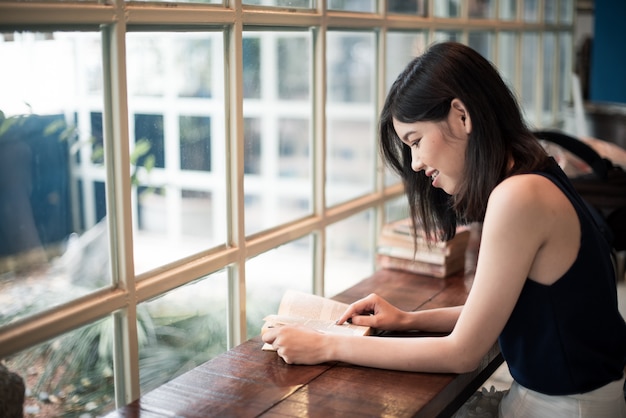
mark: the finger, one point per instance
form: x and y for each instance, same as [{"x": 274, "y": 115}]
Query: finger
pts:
[
  {"x": 359, "y": 307},
  {"x": 366, "y": 319},
  {"x": 269, "y": 335}
]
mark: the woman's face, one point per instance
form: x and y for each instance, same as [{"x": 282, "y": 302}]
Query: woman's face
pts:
[{"x": 437, "y": 148}]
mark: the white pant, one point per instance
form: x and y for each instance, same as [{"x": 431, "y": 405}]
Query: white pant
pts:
[{"x": 605, "y": 402}]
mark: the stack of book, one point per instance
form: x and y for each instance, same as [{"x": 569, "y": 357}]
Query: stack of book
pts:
[{"x": 397, "y": 250}]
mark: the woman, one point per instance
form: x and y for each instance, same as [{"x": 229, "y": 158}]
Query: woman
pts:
[{"x": 544, "y": 283}]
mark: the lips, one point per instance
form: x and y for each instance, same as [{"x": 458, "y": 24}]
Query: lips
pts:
[{"x": 432, "y": 174}]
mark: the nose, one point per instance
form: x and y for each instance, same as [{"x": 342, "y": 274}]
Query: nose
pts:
[{"x": 416, "y": 163}]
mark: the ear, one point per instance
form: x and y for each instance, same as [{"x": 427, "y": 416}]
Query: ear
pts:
[{"x": 459, "y": 113}]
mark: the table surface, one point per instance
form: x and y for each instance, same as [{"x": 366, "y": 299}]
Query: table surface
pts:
[{"x": 249, "y": 382}]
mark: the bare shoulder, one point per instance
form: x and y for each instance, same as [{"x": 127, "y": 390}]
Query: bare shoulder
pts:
[
  {"x": 529, "y": 196},
  {"x": 533, "y": 211}
]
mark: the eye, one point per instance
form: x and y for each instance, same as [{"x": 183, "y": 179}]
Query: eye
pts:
[{"x": 415, "y": 143}]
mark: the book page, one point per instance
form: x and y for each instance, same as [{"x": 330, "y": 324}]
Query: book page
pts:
[
  {"x": 312, "y": 311},
  {"x": 305, "y": 305}
]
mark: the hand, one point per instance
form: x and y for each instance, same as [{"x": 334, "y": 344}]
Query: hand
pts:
[
  {"x": 297, "y": 344},
  {"x": 373, "y": 311}
]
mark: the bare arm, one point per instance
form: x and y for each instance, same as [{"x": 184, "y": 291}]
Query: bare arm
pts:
[
  {"x": 518, "y": 228},
  {"x": 374, "y": 311}
]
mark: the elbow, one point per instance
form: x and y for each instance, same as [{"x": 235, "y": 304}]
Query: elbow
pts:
[
  {"x": 464, "y": 364},
  {"x": 465, "y": 360}
]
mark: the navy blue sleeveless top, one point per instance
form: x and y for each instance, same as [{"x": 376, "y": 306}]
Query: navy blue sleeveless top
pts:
[{"x": 569, "y": 337}]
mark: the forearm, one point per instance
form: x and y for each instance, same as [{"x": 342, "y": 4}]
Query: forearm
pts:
[
  {"x": 422, "y": 354},
  {"x": 432, "y": 320}
]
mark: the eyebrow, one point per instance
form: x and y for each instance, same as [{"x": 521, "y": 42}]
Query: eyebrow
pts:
[{"x": 405, "y": 137}]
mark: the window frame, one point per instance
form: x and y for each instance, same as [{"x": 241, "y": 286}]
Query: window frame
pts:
[{"x": 114, "y": 19}]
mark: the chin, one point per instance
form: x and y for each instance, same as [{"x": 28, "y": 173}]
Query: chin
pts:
[{"x": 449, "y": 190}]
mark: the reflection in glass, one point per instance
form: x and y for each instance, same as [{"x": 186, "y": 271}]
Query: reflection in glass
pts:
[
  {"x": 277, "y": 139},
  {"x": 177, "y": 141},
  {"x": 351, "y": 115},
  {"x": 402, "y": 47},
  {"x": 530, "y": 45},
  {"x": 482, "y": 42},
  {"x": 481, "y": 9},
  {"x": 349, "y": 252},
  {"x": 353, "y": 5},
  {"x": 549, "y": 65},
  {"x": 251, "y": 47},
  {"x": 549, "y": 11},
  {"x": 53, "y": 233},
  {"x": 566, "y": 11},
  {"x": 293, "y": 74},
  {"x": 294, "y": 148},
  {"x": 447, "y": 35},
  {"x": 302, "y": 4},
  {"x": 507, "y": 9},
  {"x": 181, "y": 1},
  {"x": 270, "y": 274},
  {"x": 71, "y": 375},
  {"x": 181, "y": 329},
  {"x": 195, "y": 143},
  {"x": 413, "y": 7},
  {"x": 565, "y": 66},
  {"x": 507, "y": 57},
  {"x": 350, "y": 60},
  {"x": 252, "y": 145},
  {"x": 447, "y": 8},
  {"x": 531, "y": 10},
  {"x": 396, "y": 209}
]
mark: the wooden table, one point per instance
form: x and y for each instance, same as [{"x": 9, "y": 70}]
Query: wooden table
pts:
[{"x": 249, "y": 382}]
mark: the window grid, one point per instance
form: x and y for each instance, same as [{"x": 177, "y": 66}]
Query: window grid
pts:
[{"x": 233, "y": 19}]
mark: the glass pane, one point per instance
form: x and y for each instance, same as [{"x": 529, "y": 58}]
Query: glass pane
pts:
[
  {"x": 566, "y": 11},
  {"x": 565, "y": 69},
  {"x": 181, "y": 329},
  {"x": 69, "y": 376},
  {"x": 530, "y": 45},
  {"x": 447, "y": 35},
  {"x": 270, "y": 274},
  {"x": 353, "y": 5},
  {"x": 176, "y": 106},
  {"x": 416, "y": 7},
  {"x": 507, "y": 9},
  {"x": 507, "y": 57},
  {"x": 549, "y": 83},
  {"x": 549, "y": 11},
  {"x": 482, "y": 42},
  {"x": 351, "y": 115},
  {"x": 402, "y": 47},
  {"x": 280, "y": 3},
  {"x": 481, "y": 9},
  {"x": 349, "y": 252},
  {"x": 53, "y": 231},
  {"x": 178, "y": 1},
  {"x": 531, "y": 10},
  {"x": 447, "y": 8},
  {"x": 396, "y": 209},
  {"x": 278, "y": 181}
]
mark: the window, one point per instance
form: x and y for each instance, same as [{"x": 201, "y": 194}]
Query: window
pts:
[{"x": 167, "y": 172}]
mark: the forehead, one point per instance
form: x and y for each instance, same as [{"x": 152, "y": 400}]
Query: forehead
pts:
[{"x": 406, "y": 129}]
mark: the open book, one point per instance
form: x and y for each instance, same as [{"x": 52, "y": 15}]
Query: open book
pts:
[{"x": 311, "y": 311}]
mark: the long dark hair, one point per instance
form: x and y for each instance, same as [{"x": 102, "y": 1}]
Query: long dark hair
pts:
[{"x": 424, "y": 92}]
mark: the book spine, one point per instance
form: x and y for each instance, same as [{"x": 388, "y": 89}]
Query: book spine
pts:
[
  {"x": 385, "y": 241},
  {"x": 435, "y": 270},
  {"x": 409, "y": 254}
]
